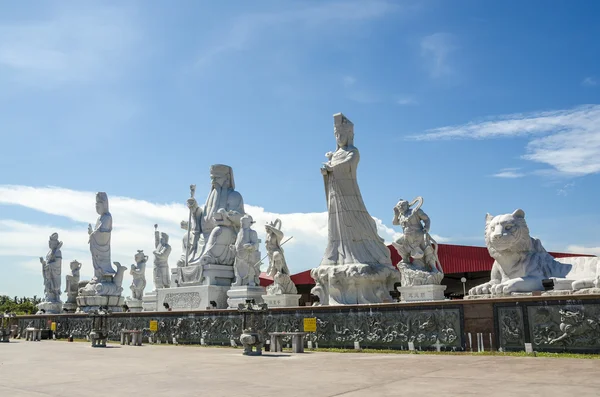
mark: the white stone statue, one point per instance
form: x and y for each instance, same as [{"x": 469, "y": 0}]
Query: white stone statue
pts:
[
  {"x": 214, "y": 227},
  {"x": 51, "y": 270},
  {"x": 356, "y": 266},
  {"x": 278, "y": 268},
  {"x": 105, "y": 288},
  {"x": 246, "y": 266},
  {"x": 138, "y": 272},
  {"x": 184, "y": 244},
  {"x": 161, "y": 259},
  {"x": 521, "y": 262},
  {"x": 72, "y": 281},
  {"x": 99, "y": 239},
  {"x": 416, "y": 243}
]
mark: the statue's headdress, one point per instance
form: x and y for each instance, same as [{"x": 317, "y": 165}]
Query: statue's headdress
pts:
[
  {"x": 221, "y": 169},
  {"x": 275, "y": 228},
  {"x": 102, "y": 197},
  {"x": 165, "y": 236},
  {"x": 54, "y": 237},
  {"x": 344, "y": 125}
]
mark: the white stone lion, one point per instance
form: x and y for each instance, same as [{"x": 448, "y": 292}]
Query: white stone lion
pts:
[{"x": 521, "y": 262}]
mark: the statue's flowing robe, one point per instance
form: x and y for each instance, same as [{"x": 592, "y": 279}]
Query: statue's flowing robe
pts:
[
  {"x": 100, "y": 246},
  {"x": 245, "y": 260},
  {"x": 210, "y": 239},
  {"x": 139, "y": 280},
  {"x": 282, "y": 283},
  {"x": 352, "y": 232},
  {"x": 52, "y": 272}
]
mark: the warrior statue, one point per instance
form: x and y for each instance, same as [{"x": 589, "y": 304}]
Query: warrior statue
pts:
[
  {"x": 247, "y": 257},
  {"x": 214, "y": 227},
  {"x": 72, "y": 281},
  {"x": 278, "y": 268},
  {"x": 416, "y": 242},
  {"x": 51, "y": 269},
  {"x": 161, "y": 259},
  {"x": 138, "y": 272}
]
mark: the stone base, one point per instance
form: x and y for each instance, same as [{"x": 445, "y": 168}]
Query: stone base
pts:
[
  {"x": 237, "y": 295},
  {"x": 69, "y": 307},
  {"x": 88, "y": 303},
  {"x": 420, "y": 293},
  {"x": 135, "y": 305},
  {"x": 354, "y": 284},
  {"x": 218, "y": 275},
  {"x": 587, "y": 291},
  {"x": 196, "y": 297},
  {"x": 282, "y": 300},
  {"x": 149, "y": 301},
  {"x": 51, "y": 307}
]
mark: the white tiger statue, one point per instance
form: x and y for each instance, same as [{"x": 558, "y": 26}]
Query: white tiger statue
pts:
[{"x": 521, "y": 262}]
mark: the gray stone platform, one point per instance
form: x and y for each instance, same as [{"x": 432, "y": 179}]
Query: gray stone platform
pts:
[{"x": 29, "y": 369}]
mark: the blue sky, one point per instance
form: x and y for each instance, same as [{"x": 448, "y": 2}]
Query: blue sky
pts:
[{"x": 478, "y": 106}]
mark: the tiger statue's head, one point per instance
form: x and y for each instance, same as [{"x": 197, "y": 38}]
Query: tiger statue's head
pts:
[{"x": 507, "y": 233}]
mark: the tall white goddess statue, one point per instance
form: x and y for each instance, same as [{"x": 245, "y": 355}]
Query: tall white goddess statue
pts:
[
  {"x": 99, "y": 239},
  {"x": 356, "y": 266}
]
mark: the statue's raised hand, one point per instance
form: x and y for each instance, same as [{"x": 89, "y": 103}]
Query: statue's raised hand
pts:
[
  {"x": 192, "y": 203},
  {"x": 90, "y": 230},
  {"x": 42, "y": 261}
]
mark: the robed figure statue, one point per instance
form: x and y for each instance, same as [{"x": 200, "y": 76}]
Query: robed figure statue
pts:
[{"x": 363, "y": 268}]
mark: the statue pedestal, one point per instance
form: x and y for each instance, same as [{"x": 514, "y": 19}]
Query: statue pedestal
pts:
[
  {"x": 353, "y": 284},
  {"x": 420, "y": 293},
  {"x": 196, "y": 297},
  {"x": 87, "y": 303},
  {"x": 282, "y": 300},
  {"x": 220, "y": 275},
  {"x": 69, "y": 307},
  {"x": 135, "y": 305},
  {"x": 149, "y": 301},
  {"x": 51, "y": 307},
  {"x": 241, "y": 294}
]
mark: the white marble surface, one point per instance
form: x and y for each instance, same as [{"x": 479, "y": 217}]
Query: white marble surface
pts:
[
  {"x": 149, "y": 302},
  {"x": 161, "y": 259},
  {"x": 521, "y": 262},
  {"x": 278, "y": 269},
  {"x": 356, "y": 266},
  {"x": 237, "y": 295},
  {"x": 51, "y": 272},
  {"x": 214, "y": 226},
  {"x": 420, "y": 293},
  {"x": 138, "y": 273},
  {"x": 196, "y": 297},
  {"x": 246, "y": 266},
  {"x": 420, "y": 263},
  {"x": 282, "y": 300},
  {"x": 72, "y": 287}
]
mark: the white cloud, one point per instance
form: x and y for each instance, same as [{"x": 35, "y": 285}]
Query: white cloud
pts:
[
  {"x": 436, "y": 50},
  {"x": 245, "y": 29},
  {"x": 349, "y": 81},
  {"x": 509, "y": 173},
  {"x": 580, "y": 249},
  {"x": 589, "y": 82},
  {"x": 72, "y": 44},
  {"x": 406, "y": 100},
  {"x": 133, "y": 222},
  {"x": 567, "y": 140}
]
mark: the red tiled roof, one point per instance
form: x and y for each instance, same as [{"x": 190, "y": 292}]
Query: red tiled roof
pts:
[
  {"x": 463, "y": 258},
  {"x": 454, "y": 259},
  {"x": 265, "y": 279},
  {"x": 303, "y": 278}
]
